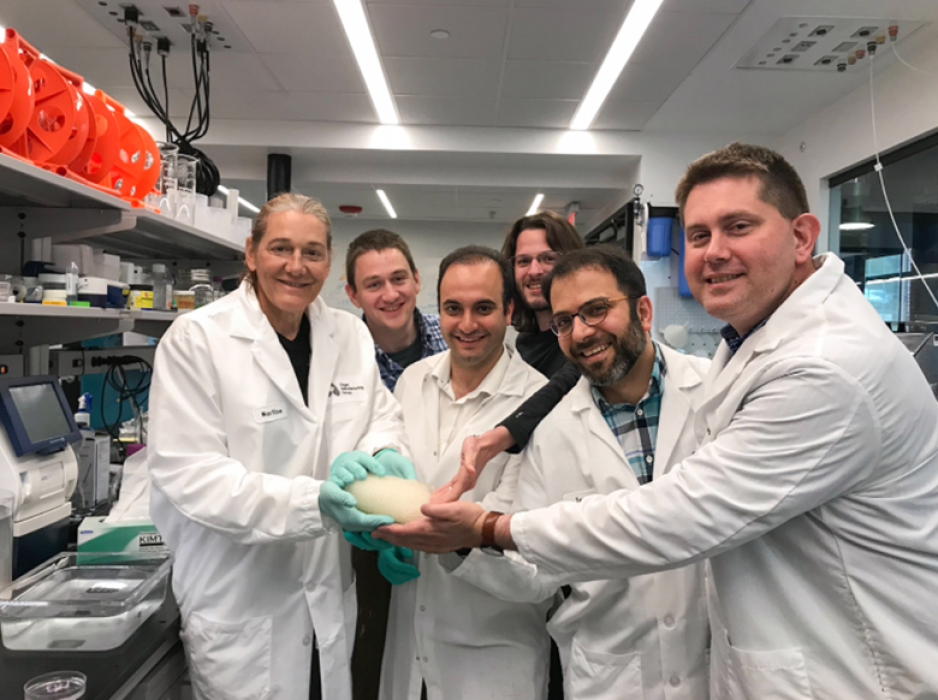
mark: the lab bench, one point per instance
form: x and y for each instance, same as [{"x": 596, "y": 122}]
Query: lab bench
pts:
[{"x": 149, "y": 666}]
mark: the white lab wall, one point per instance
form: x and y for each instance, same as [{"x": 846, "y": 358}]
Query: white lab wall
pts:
[
  {"x": 429, "y": 242},
  {"x": 841, "y": 135}
]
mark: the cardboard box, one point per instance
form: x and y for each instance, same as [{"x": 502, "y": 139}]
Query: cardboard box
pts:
[{"x": 130, "y": 537}]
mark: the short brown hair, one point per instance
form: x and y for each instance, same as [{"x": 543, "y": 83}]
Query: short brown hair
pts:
[
  {"x": 377, "y": 239},
  {"x": 286, "y": 201},
  {"x": 781, "y": 185},
  {"x": 562, "y": 236}
]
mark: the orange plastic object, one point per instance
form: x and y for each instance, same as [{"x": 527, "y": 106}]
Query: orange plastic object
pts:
[
  {"x": 80, "y": 161},
  {"x": 13, "y": 122},
  {"x": 56, "y": 122},
  {"x": 107, "y": 141},
  {"x": 84, "y": 129},
  {"x": 7, "y": 78},
  {"x": 138, "y": 160}
]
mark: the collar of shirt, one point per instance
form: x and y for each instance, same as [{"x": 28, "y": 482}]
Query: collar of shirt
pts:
[
  {"x": 734, "y": 340},
  {"x": 443, "y": 375},
  {"x": 655, "y": 386},
  {"x": 431, "y": 340}
]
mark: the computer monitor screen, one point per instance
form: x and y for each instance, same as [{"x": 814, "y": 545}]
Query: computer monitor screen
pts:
[{"x": 40, "y": 411}]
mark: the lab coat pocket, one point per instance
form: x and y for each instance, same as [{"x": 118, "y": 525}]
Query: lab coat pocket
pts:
[
  {"x": 596, "y": 675},
  {"x": 229, "y": 661},
  {"x": 775, "y": 674}
]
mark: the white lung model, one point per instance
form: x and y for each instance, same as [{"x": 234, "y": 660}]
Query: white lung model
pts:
[{"x": 391, "y": 495}]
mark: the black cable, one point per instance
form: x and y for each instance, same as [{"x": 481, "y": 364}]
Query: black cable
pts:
[{"x": 166, "y": 95}]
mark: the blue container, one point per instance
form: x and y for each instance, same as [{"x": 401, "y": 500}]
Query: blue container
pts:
[
  {"x": 658, "y": 231},
  {"x": 682, "y": 287}
]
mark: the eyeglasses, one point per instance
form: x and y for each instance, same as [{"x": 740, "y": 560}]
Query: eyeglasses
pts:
[
  {"x": 591, "y": 313},
  {"x": 548, "y": 258}
]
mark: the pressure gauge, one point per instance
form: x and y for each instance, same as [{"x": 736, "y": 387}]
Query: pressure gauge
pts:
[{"x": 637, "y": 190}]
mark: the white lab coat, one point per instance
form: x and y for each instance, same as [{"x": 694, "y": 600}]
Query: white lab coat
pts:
[
  {"x": 622, "y": 639},
  {"x": 237, "y": 459},
  {"x": 464, "y": 643},
  {"x": 815, "y": 493}
]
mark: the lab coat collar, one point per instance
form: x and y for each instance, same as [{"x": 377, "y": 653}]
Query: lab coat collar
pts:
[
  {"x": 251, "y": 323},
  {"x": 512, "y": 378}
]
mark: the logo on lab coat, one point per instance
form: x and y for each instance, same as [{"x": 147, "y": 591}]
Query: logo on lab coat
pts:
[
  {"x": 266, "y": 414},
  {"x": 347, "y": 390}
]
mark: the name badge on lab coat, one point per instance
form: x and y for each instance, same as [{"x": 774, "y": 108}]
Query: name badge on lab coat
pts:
[
  {"x": 266, "y": 414},
  {"x": 347, "y": 390}
]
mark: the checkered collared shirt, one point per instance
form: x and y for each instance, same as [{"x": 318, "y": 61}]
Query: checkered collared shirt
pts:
[
  {"x": 431, "y": 342},
  {"x": 734, "y": 340},
  {"x": 636, "y": 427}
]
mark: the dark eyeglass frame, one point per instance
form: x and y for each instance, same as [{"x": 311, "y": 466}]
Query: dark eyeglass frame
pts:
[
  {"x": 607, "y": 303},
  {"x": 514, "y": 258}
]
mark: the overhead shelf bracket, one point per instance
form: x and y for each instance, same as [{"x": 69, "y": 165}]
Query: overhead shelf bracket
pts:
[{"x": 65, "y": 225}]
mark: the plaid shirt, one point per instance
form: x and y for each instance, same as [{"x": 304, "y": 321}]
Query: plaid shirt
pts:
[
  {"x": 636, "y": 427},
  {"x": 431, "y": 342},
  {"x": 734, "y": 340}
]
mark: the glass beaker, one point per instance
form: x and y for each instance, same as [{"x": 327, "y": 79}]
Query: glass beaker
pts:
[
  {"x": 59, "y": 685},
  {"x": 165, "y": 194},
  {"x": 186, "y": 169}
]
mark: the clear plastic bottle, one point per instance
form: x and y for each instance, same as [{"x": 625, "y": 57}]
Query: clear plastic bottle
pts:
[
  {"x": 202, "y": 287},
  {"x": 158, "y": 272},
  {"x": 71, "y": 282}
]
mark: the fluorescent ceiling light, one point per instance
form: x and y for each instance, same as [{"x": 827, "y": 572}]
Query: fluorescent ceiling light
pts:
[
  {"x": 387, "y": 204},
  {"x": 359, "y": 35},
  {"x": 536, "y": 204},
  {"x": 634, "y": 26},
  {"x": 856, "y": 226},
  {"x": 241, "y": 200}
]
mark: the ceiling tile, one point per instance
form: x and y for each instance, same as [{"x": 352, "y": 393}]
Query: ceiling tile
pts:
[
  {"x": 645, "y": 83},
  {"x": 578, "y": 4},
  {"x": 447, "y": 111},
  {"x": 333, "y": 107},
  {"x": 314, "y": 73},
  {"x": 179, "y": 103},
  {"x": 549, "y": 114},
  {"x": 625, "y": 115},
  {"x": 49, "y": 24},
  {"x": 100, "y": 67},
  {"x": 255, "y": 106},
  {"x": 438, "y": 3},
  {"x": 727, "y": 6},
  {"x": 443, "y": 77},
  {"x": 241, "y": 71},
  {"x": 563, "y": 34},
  {"x": 674, "y": 39},
  {"x": 289, "y": 27},
  {"x": 559, "y": 80},
  {"x": 475, "y": 32}
]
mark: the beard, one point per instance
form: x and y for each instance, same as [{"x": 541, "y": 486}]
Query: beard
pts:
[{"x": 627, "y": 348}]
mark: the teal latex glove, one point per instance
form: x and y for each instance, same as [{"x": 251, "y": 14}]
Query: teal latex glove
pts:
[
  {"x": 364, "y": 540},
  {"x": 392, "y": 565},
  {"x": 349, "y": 466},
  {"x": 396, "y": 464},
  {"x": 339, "y": 505}
]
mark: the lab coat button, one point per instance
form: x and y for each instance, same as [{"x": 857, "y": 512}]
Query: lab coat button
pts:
[
  {"x": 306, "y": 640},
  {"x": 669, "y": 620},
  {"x": 675, "y": 681}
]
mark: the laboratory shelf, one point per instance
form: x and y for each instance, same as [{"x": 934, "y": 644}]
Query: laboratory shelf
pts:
[
  {"x": 28, "y": 325},
  {"x": 41, "y": 203},
  {"x": 153, "y": 323}
]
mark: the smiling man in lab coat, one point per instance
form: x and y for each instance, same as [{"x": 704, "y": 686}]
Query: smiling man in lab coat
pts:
[
  {"x": 448, "y": 635},
  {"x": 813, "y": 491}
]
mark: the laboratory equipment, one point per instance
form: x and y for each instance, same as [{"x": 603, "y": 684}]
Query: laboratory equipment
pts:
[
  {"x": 83, "y": 602},
  {"x": 660, "y": 222},
  {"x": 160, "y": 299},
  {"x": 38, "y": 468},
  {"x": 186, "y": 169},
  {"x": 202, "y": 287},
  {"x": 58, "y": 685}
]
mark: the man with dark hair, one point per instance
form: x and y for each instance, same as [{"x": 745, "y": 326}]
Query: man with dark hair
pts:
[
  {"x": 623, "y": 425},
  {"x": 814, "y": 484},
  {"x": 446, "y": 638},
  {"x": 382, "y": 281}
]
